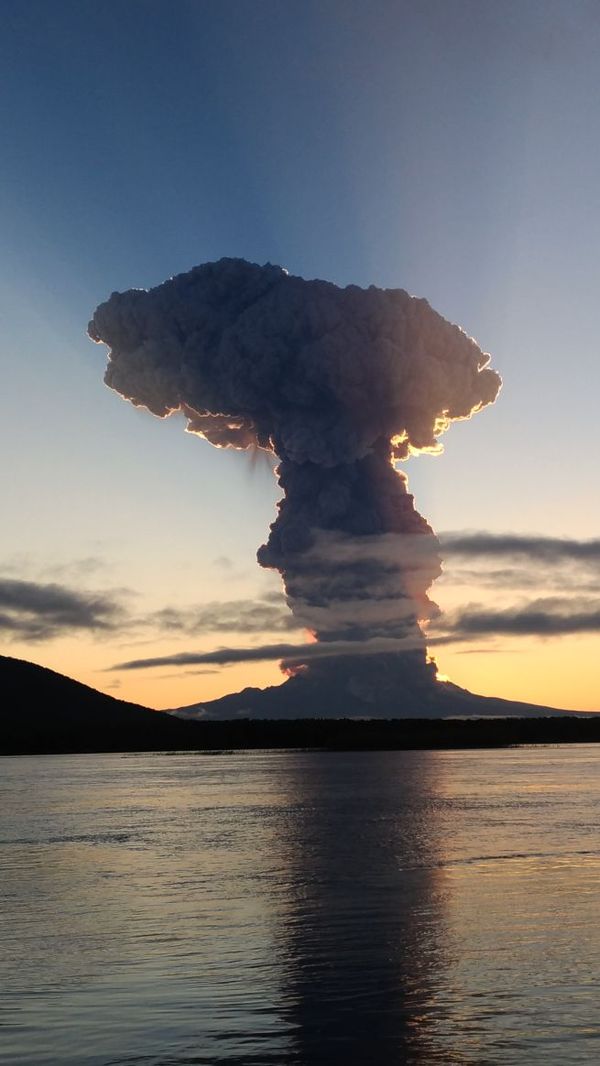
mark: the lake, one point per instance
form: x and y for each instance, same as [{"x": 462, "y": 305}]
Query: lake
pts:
[{"x": 301, "y": 907}]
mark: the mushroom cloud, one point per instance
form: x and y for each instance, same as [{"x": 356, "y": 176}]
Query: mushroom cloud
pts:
[{"x": 340, "y": 384}]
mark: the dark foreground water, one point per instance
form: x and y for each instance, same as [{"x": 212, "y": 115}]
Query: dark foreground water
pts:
[{"x": 275, "y": 908}]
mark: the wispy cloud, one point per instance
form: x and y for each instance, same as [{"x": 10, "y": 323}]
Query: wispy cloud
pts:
[
  {"x": 222, "y": 562},
  {"x": 25, "y": 566},
  {"x": 77, "y": 568},
  {"x": 549, "y": 617},
  {"x": 35, "y": 611},
  {"x": 288, "y": 654},
  {"x": 39, "y": 610},
  {"x": 519, "y": 546},
  {"x": 564, "y": 577},
  {"x": 265, "y": 615},
  {"x": 530, "y": 563}
]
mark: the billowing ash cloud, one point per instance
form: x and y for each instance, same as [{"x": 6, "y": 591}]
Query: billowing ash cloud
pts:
[{"x": 339, "y": 384}]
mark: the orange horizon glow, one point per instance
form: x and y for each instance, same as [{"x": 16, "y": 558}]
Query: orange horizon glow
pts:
[{"x": 527, "y": 670}]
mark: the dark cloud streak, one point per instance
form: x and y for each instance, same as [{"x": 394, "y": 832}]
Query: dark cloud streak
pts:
[
  {"x": 533, "y": 548},
  {"x": 540, "y": 618},
  {"x": 34, "y": 611},
  {"x": 288, "y": 654}
]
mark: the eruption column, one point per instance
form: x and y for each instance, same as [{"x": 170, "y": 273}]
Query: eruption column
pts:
[
  {"x": 339, "y": 384},
  {"x": 357, "y": 561}
]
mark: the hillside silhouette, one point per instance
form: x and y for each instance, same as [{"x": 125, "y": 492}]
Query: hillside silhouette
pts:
[{"x": 44, "y": 712}]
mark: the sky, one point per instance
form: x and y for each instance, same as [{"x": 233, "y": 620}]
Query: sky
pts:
[{"x": 450, "y": 149}]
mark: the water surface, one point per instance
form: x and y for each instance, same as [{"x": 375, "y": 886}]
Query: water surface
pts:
[{"x": 305, "y": 908}]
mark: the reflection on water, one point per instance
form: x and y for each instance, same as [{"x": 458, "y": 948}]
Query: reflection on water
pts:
[
  {"x": 306, "y": 908},
  {"x": 364, "y": 940}
]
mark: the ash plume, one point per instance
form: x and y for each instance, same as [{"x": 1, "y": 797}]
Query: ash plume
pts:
[{"x": 339, "y": 383}]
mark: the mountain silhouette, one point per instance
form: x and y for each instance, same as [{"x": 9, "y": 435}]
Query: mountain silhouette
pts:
[
  {"x": 47, "y": 712},
  {"x": 44, "y": 712},
  {"x": 301, "y": 695}
]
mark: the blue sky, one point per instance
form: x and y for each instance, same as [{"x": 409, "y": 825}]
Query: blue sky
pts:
[{"x": 452, "y": 149}]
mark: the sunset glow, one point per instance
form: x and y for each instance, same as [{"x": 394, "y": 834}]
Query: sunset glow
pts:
[{"x": 105, "y": 501}]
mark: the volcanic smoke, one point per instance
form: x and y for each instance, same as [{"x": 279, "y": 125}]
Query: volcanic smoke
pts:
[{"x": 339, "y": 384}]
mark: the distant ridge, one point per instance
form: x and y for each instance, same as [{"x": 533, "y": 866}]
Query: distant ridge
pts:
[{"x": 46, "y": 713}]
